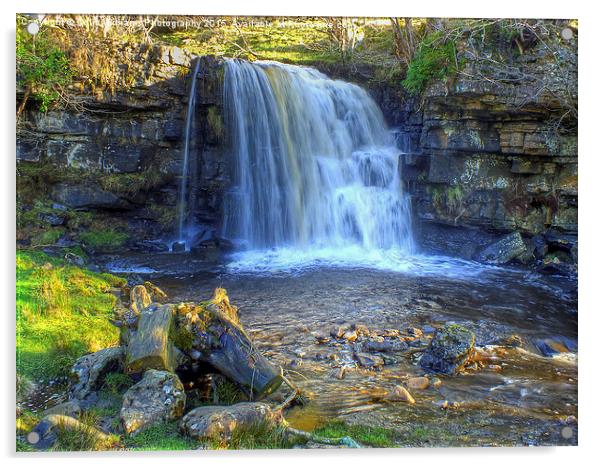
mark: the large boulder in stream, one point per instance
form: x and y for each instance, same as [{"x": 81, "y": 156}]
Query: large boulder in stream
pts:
[
  {"x": 451, "y": 348},
  {"x": 504, "y": 250},
  {"x": 158, "y": 397},
  {"x": 219, "y": 422}
]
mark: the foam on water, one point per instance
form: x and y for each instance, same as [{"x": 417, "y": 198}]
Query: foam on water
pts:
[{"x": 294, "y": 259}]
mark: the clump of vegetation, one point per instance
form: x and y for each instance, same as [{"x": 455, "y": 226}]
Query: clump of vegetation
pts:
[
  {"x": 434, "y": 59},
  {"x": 103, "y": 239},
  {"x": 164, "y": 436},
  {"x": 42, "y": 68},
  {"x": 447, "y": 200},
  {"x": 63, "y": 312},
  {"x": 366, "y": 435},
  {"x": 260, "y": 436},
  {"x": 116, "y": 382},
  {"x": 130, "y": 184}
]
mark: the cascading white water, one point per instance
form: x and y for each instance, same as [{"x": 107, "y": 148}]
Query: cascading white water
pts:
[
  {"x": 183, "y": 192},
  {"x": 316, "y": 168}
]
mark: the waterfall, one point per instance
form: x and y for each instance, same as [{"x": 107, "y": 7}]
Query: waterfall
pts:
[
  {"x": 315, "y": 165},
  {"x": 183, "y": 195}
]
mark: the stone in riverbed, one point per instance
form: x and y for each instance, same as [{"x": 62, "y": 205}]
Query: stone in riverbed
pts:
[
  {"x": 450, "y": 350},
  {"x": 369, "y": 361},
  {"x": 158, "y": 397},
  {"x": 418, "y": 383},
  {"x": 385, "y": 345},
  {"x": 219, "y": 422},
  {"x": 400, "y": 393}
]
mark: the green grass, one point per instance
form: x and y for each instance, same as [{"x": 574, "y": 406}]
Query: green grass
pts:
[
  {"x": 365, "y": 435},
  {"x": 163, "y": 436},
  {"x": 62, "y": 313},
  {"x": 260, "y": 436},
  {"x": 103, "y": 239}
]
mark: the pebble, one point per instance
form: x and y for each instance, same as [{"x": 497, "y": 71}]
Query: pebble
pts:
[
  {"x": 418, "y": 383},
  {"x": 341, "y": 373},
  {"x": 436, "y": 382},
  {"x": 350, "y": 335},
  {"x": 361, "y": 330},
  {"x": 413, "y": 331},
  {"x": 400, "y": 393}
]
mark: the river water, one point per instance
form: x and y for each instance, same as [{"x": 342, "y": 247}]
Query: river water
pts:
[{"x": 525, "y": 401}]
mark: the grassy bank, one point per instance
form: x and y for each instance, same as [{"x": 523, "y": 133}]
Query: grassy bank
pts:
[{"x": 62, "y": 313}]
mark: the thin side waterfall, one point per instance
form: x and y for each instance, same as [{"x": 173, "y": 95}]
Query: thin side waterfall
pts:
[
  {"x": 183, "y": 193},
  {"x": 316, "y": 168}
]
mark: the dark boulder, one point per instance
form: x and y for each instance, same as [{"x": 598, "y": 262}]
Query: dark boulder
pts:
[
  {"x": 451, "y": 348},
  {"x": 90, "y": 195},
  {"x": 504, "y": 250}
]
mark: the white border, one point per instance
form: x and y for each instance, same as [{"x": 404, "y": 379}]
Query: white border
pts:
[{"x": 590, "y": 173}]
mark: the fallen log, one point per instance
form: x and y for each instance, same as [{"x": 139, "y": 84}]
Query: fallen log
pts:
[
  {"x": 167, "y": 337},
  {"x": 212, "y": 333}
]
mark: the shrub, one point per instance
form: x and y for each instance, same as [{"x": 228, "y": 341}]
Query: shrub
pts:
[
  {"x": 42, "y": 67},
  {"x": 435, "y": 59}
]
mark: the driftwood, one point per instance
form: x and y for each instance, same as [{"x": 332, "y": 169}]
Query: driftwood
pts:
[
  {"x": 191, "y": 336},
  {"x": 219, "y": 340}
]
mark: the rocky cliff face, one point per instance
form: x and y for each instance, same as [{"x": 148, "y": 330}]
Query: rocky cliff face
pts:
[
  {"x": 487, "y": 158},
  {"x": 115, "y": 160}
]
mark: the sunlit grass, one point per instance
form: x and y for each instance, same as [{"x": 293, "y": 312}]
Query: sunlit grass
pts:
[{"x": 62, "y": 313}]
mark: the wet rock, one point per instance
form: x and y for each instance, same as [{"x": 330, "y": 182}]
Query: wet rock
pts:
[
  {"x": 450, "y": 350},
  {"x": 551, "y": 346},
  {"x": 339, "y": 331},
  {"x": 418, "y": 383},
  {"x": 436, "y": 382},
  {"x": 52, "y": 219},
  {"x": 400, "y": 393},
  {"x": 385, "y": 345},
  {"x": 219, "y": 422},
  {"x": 391, "y": 332},
  {"x": 158, "y": 397},
  {"x": 321, "y": 338},
  {"x": 45, "y": 434},
  {"x": 89, "y": 371},
  {"x": 361, "y": 330},
  {"x": 350, "y": 335},
  {"x": 341, "y": 373},
  {"x": 178, "y": 246},
  {"x": 414, "y": 332},
  {"x": 369, "y": 361},
  {"x": 504, "y": 250}
]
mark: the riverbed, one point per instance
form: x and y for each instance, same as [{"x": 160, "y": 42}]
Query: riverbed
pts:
[{"x": 527, "y": 397}]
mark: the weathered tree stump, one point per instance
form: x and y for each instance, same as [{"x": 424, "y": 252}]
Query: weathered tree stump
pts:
[
  {"x": 149, "y": 347},
  {"x": 189, "y": 336}
]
